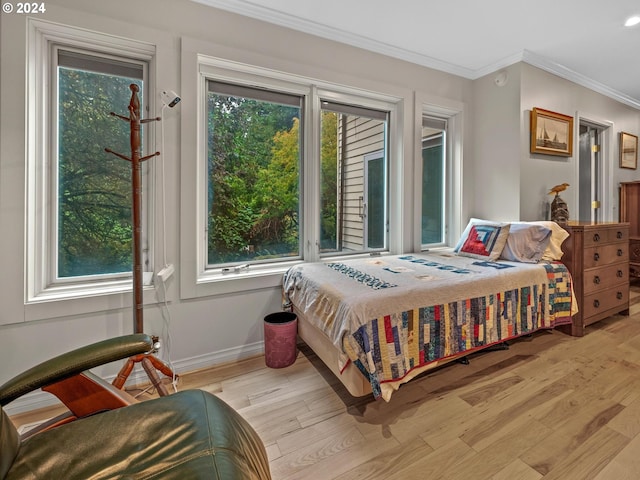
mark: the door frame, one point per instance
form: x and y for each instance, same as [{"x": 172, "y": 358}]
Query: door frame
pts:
[{"x": 608, "y": 206}]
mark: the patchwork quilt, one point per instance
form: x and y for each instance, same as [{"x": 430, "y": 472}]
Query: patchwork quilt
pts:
[{"x": 392, "y": 314}]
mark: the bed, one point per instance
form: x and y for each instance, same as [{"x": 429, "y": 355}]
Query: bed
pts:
[{"x": 378, "y": 322}]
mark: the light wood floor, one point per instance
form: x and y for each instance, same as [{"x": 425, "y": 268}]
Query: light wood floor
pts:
[{"x": 552, "y": 407}]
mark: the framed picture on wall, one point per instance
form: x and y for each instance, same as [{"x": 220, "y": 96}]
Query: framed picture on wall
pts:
[
  {"x": 628, "y": 150},
  {"x": 551, "y": 133}
]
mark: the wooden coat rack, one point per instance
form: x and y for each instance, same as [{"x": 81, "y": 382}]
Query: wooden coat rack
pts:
[{"x": 149, "y": 361}]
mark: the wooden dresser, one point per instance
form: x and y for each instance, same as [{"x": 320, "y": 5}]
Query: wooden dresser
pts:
[
  {"x": 597, "y": 255},
  {"x": 630, "y": 212}
]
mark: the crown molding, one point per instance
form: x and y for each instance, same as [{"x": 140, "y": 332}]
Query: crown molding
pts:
[
  {"x": 575, "y": 77},
  {"x": 268, "y": 15},
  {"x": 260, "y": 12},
  {"x": 500, "y": 64}
]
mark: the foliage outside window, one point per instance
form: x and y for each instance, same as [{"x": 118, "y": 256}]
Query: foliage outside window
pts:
[
  {"x": 253, "y": 158},
  {"x": 93, "y": 229},
  {"x": 254, "y": 176}
]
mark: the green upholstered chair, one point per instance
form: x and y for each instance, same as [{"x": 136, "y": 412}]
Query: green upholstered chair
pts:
[{"x": 187, "y": 435}]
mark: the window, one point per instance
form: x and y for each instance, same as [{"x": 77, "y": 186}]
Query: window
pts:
[
  {"x": 253, "y": 169},
  {"x": 288, "y": 171},
  {"x": 433, "y": 180},
  {"x": 79, "y": 226},
  {"x": 91, "y": 218},
  {"x": 353, "y": 182},
  {"x": 439, "y": 211}
]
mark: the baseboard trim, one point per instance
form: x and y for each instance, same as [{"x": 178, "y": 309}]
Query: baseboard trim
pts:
[{"x": 40, "y": 399}]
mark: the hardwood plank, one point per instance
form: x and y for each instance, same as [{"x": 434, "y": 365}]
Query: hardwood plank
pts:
[
  {"x": 542, "y": 456},
  {"x": 322, "y": 406},
  {"x": 616, "y": 471},
  {"x": 337, "y": 453},
  {"x": 587, "y": 460},
  {"x": 625, "y": 466},
  {"x": 517, "y": 470},
  {"x": 627, "y": 422},
  {"x": 304, "y": 437},
  {"x": 434, "y": 464},
  {"x": 484, "y": 393},
  {"x": 497, "y": 419},
  {"x": 513, "y": 439},
  {"x": 390, "y": 463},
  {"x": 482, "y": 416}
]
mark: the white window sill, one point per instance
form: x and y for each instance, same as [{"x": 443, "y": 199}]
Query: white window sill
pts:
[
  {"x": 64, "y": 301},
  {"x": 215, "y": 282}
]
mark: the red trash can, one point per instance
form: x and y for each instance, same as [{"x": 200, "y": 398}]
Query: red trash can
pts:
[{"x": 280, "y": 330}]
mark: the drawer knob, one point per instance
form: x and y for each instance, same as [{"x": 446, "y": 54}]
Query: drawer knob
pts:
[
  {"x": 619, "y": 235},
  {"x": 596, "y": 237},
  {"x": 619, "y": 252},
  {"x": 596, "y": 279},
  {"x": 596, "y": 256},
  {"x": 619, "y": 295},
  {"x": 620, "y": 273},
  {"x": 596, "y": 303}
]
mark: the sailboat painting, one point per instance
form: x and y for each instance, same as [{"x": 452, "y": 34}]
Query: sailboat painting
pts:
[{"x": 551, "y": 133}]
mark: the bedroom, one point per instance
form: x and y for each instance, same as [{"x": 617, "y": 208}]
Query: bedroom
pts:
[{"x": 51, "y": 325}]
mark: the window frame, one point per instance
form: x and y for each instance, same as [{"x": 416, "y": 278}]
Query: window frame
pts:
[
  {"x": 445, "y": 180},
  {"x": 54, "y": 181},
  {"x": 195, "y": 279},
  {"x": 453, "y": 113},
  {"x": 377, "y": 155},
  {"x": 266, "y": 94},
  {"x": 43, "y": 40},
  {"x": 381, "y": 115}
]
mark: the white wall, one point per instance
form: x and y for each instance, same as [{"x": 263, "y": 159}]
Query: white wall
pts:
[
  {"x": 510, "y": 182},
  {"x": 205, "y": 330},
  {"x": 496, "y": 141},
  {"x": 541, "y": 172}
]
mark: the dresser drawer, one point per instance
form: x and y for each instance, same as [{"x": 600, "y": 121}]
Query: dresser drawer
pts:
[
  {"x": 604, "y": 300},
  {"x": 604, "y": 277},
  {"x": 598, "y": 236},
  {"x": 606, "y": 254}
]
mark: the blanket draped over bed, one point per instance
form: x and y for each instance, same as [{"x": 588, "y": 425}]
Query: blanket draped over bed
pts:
[{"x": 392, "y": 314}]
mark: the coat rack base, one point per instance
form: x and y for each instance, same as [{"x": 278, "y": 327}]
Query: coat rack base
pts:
[{"x": 151, "y": 365}]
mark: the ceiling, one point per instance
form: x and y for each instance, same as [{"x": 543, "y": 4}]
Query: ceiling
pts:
[{"x": 584, "y": 41}]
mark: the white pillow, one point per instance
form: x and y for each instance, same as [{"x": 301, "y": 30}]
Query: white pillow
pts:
[
  {"x": 553, "y": 252},
  {"x": 526, "y": 243}
]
